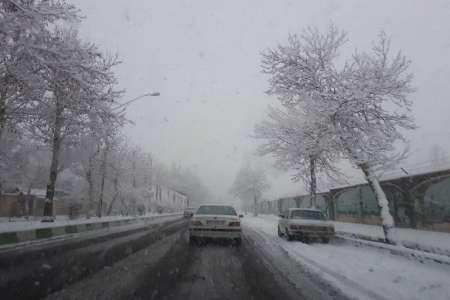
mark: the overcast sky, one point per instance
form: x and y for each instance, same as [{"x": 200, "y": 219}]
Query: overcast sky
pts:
[{"x": 203, "y": 56}]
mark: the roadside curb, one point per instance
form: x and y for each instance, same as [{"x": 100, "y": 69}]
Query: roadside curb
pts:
[
  {"x": 395, "y": 249},
  {"x": 14, "y": 237}
]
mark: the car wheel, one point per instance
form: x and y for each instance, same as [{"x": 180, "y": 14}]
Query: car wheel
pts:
[
  {"x": 288, "y": 236},
  {"x": 192, "y": 240},
  {"x": 280, "y": 234},
  {"x": 238, "y": 242},
  {"x": 326, "y": 240},
  {"x": 301, "y": 238}
]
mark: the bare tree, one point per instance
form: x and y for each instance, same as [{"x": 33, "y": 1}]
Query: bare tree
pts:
[
  {"x": 364, "y": 98},
  {"x": 249, "y": 185}
]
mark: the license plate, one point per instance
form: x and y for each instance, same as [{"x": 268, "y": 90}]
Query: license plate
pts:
[{"x": 215, "y": 222}]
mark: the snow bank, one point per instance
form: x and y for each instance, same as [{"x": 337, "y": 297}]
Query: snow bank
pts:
[
  {"x": 361, "y": 272},
  {"x": 430, "y": 241}
]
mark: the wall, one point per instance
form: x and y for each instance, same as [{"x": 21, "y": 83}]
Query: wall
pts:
[{"x": 419, "y": 201}]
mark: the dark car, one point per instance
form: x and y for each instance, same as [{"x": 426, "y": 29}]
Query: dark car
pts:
[{"x": 188, "y": 212}]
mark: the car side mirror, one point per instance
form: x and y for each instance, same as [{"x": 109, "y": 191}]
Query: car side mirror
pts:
[
  {"x": 241, "y": 216},
  {"x": 281, "y": 215}
]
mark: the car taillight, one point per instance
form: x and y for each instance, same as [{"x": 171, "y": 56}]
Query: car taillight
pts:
[
  {"x": 234, "y": 224},
  {"x": 293, "y": 226},
  {"x": 196, "y": 223}
]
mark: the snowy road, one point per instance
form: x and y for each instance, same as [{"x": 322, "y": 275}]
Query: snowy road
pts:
[
  {"x": 33, "y": 272},
  {"x": 172, "y": 269},
  {"x": 361, "y": 272},
  {"x": 159, "y": 263}
]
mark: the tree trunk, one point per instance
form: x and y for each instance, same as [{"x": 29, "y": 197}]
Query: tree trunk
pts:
[
  {"x": 2, "y": 112},
  {"x": 3, "y": 94},
  {"x": 102, "y": 185},
  {"x": 361, "y": 206},
  {"x": 313, "y": 182},
  {"x": 90, "y": 181},
  {"x": 56, "y": 148},
  {"x": 383, "y": 204},
  {"x": 2, "y": 122},
  {"x": 386, "y": 217},
  {"x": 133, "y": 167},
  {"x": 28, "y": 196},
  {"x": 116, "y": 194}
]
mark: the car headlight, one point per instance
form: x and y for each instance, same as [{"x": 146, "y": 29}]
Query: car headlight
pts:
[{"x": 234, "y": 224}]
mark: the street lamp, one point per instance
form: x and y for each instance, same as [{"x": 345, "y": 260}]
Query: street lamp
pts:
[{"x": 153, "y": 94}]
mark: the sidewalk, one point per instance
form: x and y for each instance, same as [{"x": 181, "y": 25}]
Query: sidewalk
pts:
[
  {"x": 361, "y": 269},
  {"x": 427, "y": 241},
  {"x": 422, "y": 240}
]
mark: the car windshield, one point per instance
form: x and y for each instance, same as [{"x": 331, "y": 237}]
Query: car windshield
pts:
[
  {"x": 216, "y": 210},
  {"x": 307, "y": 214}
]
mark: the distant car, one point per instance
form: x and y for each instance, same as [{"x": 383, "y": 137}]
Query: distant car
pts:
[
  {"x": 188, "y": 212},
  {"x": 216, "y": 222},
  {"x": 305, "y": 224}
]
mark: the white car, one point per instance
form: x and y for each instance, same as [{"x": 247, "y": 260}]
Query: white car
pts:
[
  {"x": 217, "y": 222},
  {"x": 305, "y": 224}
]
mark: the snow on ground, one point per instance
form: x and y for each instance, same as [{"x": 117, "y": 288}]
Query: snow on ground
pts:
[
  {"x": 7, "y": 225},
  {"x": 436, "y": 242},
  {"x": 361, "y": 272}
]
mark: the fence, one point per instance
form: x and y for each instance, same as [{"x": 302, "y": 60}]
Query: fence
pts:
[{"x": 417, "y": 201}]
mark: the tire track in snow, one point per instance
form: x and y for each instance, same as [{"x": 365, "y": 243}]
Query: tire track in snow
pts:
[
  {"x": 294, "y": 275},
  {"x": 322, "y": 271}
]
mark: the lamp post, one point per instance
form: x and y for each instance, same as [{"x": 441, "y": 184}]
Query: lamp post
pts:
[
  {"x": 153, "y": 94},
  {"x": 100, "y": 206}
]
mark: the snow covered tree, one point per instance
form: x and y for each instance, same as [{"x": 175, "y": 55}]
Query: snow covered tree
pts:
[
  {"x": 118, "y": 173},
  {"x": 24, "y": 33},
  {"x": 364, "y": 98},
  {"x": 22, "y": 163},
  {"x": 88, "y": 150},
  {"x": 80, "y": 82},
  {"x": 249, "y": 184},
  {"x": 108, "y": 140},
  {"x": 298, "y": 142}
]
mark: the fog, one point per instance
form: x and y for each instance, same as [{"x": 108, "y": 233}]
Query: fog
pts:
[{"x": 204, "y": 59}]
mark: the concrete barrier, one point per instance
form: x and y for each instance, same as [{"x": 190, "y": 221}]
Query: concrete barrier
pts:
[{"x": 14, "y": 237}]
